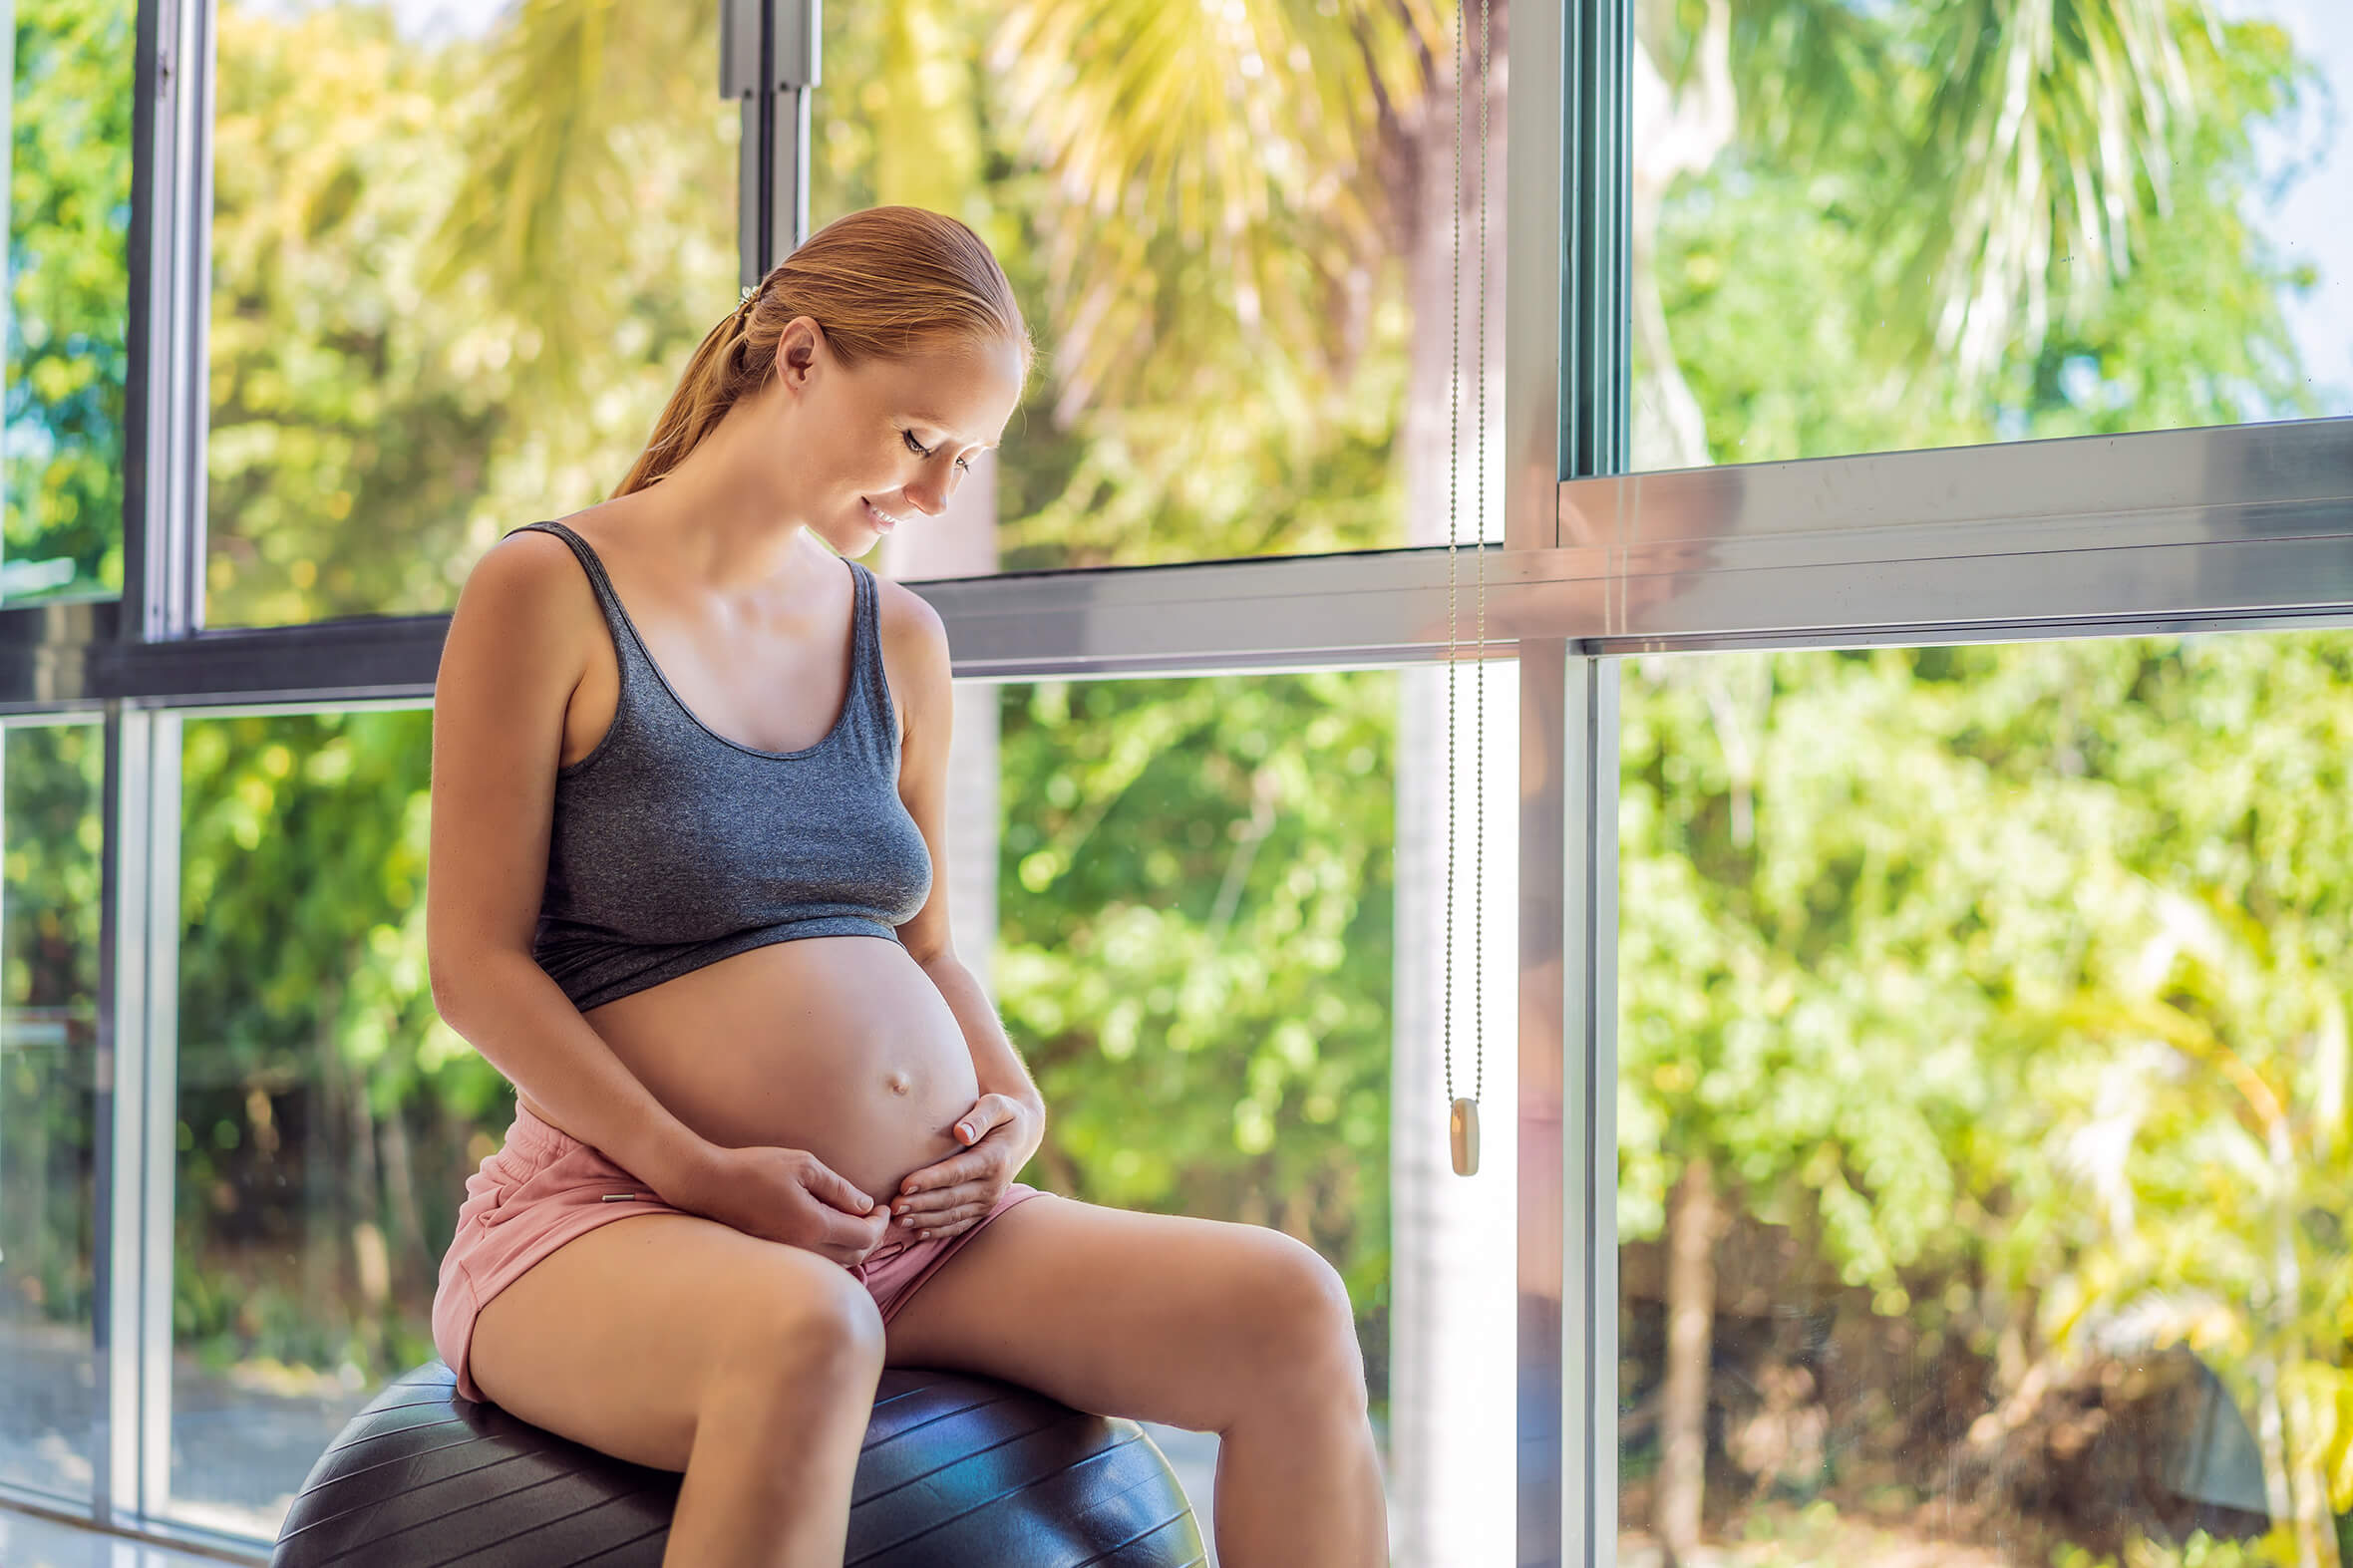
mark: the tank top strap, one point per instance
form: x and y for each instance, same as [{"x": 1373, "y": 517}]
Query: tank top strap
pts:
[
  {"x": 881, "y": 718},
  {"x": 638, "y": 671},
  {"x": 615, "y": 618}
]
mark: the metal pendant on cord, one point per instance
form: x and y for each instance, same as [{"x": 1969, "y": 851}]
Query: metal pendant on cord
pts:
[{"x": 1462, "y": 1114}]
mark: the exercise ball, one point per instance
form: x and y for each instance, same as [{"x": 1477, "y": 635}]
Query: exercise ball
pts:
[{"x": 957, "y": 1472}]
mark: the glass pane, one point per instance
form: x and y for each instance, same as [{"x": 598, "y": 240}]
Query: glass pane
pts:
[
  {"x": 1863, "y": 227},
  {"x": 1231, "y": 232},
  {"x": 68, "y": 298},
  {"x": 1983, "y": 1156},
  {"x": 327, "y": 1119},
  {"x": 1220, "y": 926},
  {"x": 49, "y": 905},
  {"x": 460, "y": 252}
]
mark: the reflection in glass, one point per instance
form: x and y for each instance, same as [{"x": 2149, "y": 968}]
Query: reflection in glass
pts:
[
  {"x": 1983, "y": 1059},
  {"x": 1231, "y": 232},
  {"x": 327, "y": 1119},
  {"x": 460, "y": 255},
  {"x": 49, "y": 905},
  {"x": 1921, "y": 223},
  {"x": 66, "y": 309}
]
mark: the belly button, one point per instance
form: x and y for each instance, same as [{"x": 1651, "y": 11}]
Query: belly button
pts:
[{"x": 900, "y": 1082}]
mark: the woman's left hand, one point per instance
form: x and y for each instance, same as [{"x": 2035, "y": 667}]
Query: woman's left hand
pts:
[{"x": 950, "y": 1196}]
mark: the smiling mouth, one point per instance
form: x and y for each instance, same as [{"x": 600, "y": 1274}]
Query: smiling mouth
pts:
[{"x": 888, "y": 520}]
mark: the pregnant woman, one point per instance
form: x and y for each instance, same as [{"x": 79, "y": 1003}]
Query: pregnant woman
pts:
[{"x": 687, "y": 895}]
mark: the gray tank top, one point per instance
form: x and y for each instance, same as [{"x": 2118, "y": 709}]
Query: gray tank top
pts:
[{"x": 673, "y": 846}]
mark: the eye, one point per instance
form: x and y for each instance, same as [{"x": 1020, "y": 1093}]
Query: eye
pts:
[{"x": 916, "y": 447}]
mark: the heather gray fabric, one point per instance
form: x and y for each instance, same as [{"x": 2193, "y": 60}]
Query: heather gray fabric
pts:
[{"x": 674, "y": 846}]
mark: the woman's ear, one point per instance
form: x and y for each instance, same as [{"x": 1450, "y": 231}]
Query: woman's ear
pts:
[{"x": 798, "y": 352}]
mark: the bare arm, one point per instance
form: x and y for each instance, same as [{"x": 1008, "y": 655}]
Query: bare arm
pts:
[
  {"x": 920, "y": 653},
  {"x": 507, "y": 670}
]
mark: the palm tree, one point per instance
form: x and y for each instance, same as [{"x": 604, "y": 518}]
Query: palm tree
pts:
[{"x": 2042, "y": 137}]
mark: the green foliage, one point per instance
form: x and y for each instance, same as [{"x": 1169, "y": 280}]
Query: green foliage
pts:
[
  {"x": 2024, "y": 964},
  {"x": 385, "y": 402},
  {"x": 49, "y": 1026},
  {"x": 310, "y": 1052},
  {"x": 1196, "y": 946},
  {"x": 68, "y": 296},
  {"x": 1255, "y": 438},
  {"x": 2170, "y": 315}
]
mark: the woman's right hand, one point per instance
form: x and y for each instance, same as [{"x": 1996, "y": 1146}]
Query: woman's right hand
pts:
[{"x": 783, "y": 1195}]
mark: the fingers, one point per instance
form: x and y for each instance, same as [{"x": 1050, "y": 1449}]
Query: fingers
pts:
[
  {"x": 850, "y": 1232},
  {"x": 945, "y": 1220},
  {"x": 837, "y": 1190},
  {"x": 926, "y": 1204}
]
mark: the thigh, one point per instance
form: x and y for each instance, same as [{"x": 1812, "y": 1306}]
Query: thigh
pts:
[
  {"x": 613, "y": 1339},
  {"x": 1153, "y": 1317}
]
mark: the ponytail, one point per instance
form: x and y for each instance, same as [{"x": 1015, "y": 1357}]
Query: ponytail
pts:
[{"x": 885, "y": 283}]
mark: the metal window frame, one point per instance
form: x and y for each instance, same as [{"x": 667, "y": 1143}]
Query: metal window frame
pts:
[{"x": 2237, "y": 526}]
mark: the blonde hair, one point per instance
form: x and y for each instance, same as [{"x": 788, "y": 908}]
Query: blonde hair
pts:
[{"x": 885, "y": 283}]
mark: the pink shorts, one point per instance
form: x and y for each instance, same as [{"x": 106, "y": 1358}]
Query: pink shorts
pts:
[{"x": 545, "y": 1187}]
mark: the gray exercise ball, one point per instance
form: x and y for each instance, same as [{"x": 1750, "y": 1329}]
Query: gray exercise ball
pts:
[{"x": 955, "y": 1470}]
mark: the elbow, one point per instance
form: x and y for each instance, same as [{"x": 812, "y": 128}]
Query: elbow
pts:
[
  {"x": 451, "y": 983},
  {"x": 441, "y": 987},
  {"x": 928, "y": 953}
]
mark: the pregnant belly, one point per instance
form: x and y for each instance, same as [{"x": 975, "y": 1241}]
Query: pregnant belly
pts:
[{"x": 840, "y": 1046}]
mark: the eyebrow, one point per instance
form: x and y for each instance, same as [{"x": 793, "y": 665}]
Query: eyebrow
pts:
[{"x": 936, "y": 422}]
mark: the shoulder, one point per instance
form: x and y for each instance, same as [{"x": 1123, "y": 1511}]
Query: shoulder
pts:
[
  {"x": 915, "y": 638},
  {"x": 526, "y": 605},
  {"x": 531, "y": 581},
  {"x": 528, "y": 560}
]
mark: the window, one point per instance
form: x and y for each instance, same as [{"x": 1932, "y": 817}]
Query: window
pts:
[
  {"x": 1230, "y": 230},
  {"x": 459, "y": 254},
  {"x": 68, "y": 303},
  {"x": 326, "y": 1119},
  {"x": 1866, "y": 227},
  {"x": 49, "y": 821},
  {"x": 1222, "y": 933},
  {"x": 1981, "y": 1117}
]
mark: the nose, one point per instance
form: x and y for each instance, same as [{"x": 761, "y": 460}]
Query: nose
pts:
[{"x": 932, "y": 496}]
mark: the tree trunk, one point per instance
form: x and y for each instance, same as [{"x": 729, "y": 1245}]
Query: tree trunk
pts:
[
  {"x": 1693, "y": 1229},
  {"x": 408, "y": 1225},
  {"x": 2306, "y": 1493},
  {"x": 322, "y": 1187},
  {"x": 371, "y": 1260},
  {"x": 1676, "y": 132}
]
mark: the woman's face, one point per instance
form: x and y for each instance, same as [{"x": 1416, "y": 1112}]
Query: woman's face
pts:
[{"x": 884, "y": 445}]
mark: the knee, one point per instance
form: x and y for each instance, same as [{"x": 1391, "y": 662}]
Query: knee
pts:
[
  {"x": 817, "y": 1331},
  {"x": 1308, "y": 1325}
]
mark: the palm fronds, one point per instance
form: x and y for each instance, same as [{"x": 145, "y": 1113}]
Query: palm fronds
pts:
[{"x": 1236, "y": 132}]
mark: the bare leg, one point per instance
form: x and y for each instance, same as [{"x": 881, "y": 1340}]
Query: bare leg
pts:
[
  {"x": 676, "y": 1342},
  {"x": 1203, "y": 1323},
  {"x": 1299, "y": 1481},
  {"x": 768, "y": 1481}
]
